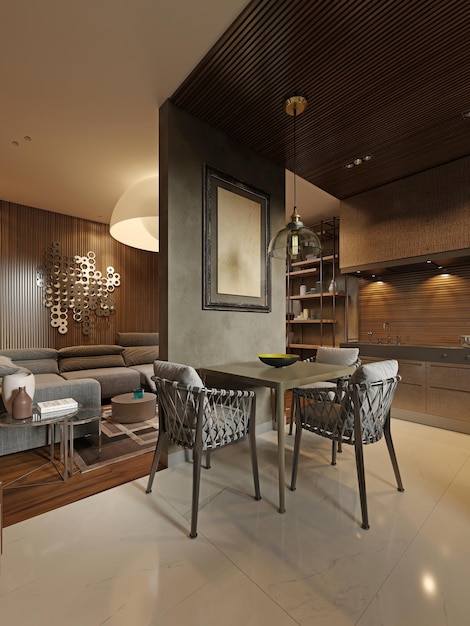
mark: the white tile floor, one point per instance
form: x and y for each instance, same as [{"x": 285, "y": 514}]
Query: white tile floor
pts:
[{"x": 123, "y": 558}]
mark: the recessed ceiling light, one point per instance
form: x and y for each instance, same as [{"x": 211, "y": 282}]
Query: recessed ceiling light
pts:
[
  {"x": 27, "y": 138},
  {"x": 358, "y": 161},
  {"x": 15, "y": 143},
  {"x": 466, "y": 114}
]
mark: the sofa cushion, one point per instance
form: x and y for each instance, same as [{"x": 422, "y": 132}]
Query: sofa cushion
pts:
[
  {"x": 146, "y": 374},
  {"x": 7, "y": 366},
  {"x": 138, "y": 339},
  {"x": 74, "y": 364},
  {"x": 97, "y": 350},
  {"x": 139, "y": 355},
  {"x": 36, "y": 360},
  {"x": 76, "y": 358},
  {"x": 113, "y": 380}
]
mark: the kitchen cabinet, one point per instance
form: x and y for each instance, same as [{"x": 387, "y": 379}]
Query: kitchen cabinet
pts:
[{"x": 431, "y": 392}]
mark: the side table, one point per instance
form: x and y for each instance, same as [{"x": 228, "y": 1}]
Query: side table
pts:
[
  {"x": 126, "y": 409},
  {"x": 82, "y": 416},
  {"x": 51, "y": 421}
]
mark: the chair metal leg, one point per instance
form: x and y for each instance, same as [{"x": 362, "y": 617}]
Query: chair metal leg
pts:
[
  {"x": 361, "y": 479},
  {"x": 295, "y": 459},
  {"x": 254, "y": 457},
  {"x": 197, "y": 452},
  {"x": 391, "y": 451},
  {"x": 333, "y": 451},
  {"x": 208, "y": 459},
  {"x": 156, "y": 459}
]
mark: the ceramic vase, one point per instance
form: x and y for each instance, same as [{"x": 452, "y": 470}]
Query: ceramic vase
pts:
[
  {"x": 22, "y": 405},
  {"x": 11, "y": 385}
]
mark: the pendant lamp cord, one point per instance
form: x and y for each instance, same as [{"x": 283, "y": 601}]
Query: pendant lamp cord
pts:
[{"x": 295, "y": 152}]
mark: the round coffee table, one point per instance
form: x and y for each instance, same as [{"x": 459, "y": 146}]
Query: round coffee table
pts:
[{"x": 126, "y": 409}]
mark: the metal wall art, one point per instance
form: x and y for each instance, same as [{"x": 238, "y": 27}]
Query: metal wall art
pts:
[{"x": 74, "y": 285}]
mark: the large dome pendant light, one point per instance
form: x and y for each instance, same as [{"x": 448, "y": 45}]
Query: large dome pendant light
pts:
[{"x": 295, "y": 241}]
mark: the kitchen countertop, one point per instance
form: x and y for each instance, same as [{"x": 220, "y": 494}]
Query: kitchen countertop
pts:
[{"x": 443, "y": 354}]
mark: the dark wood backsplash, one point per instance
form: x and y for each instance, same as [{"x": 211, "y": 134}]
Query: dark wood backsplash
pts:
[
  {"x": 25, "y": 233},
  {"x": 423, "y": 308}
]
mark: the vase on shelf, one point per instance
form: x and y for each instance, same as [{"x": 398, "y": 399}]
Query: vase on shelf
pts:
[
  {"x": 11, "y": 385},
  {"x": 332, "y": 287},
  {"x": 22, "y": 405}
]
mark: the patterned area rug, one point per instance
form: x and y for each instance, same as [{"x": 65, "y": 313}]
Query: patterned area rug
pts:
[{"x": 119, "y": 442}]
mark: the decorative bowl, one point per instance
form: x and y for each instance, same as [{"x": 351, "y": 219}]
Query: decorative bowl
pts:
[{"x": 278, "y": 360}]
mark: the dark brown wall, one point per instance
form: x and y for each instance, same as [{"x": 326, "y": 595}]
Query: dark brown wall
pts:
[
  {"x": 424, "y": 308},
  {"x": 25, "y": 233},
  {"x": 421, "y": 215}
]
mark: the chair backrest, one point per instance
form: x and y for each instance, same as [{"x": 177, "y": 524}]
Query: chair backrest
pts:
[
  {"x": 177, "y": 372},
  {"x": 369, "y": 397},
  {"x": 187, "y": 410},
  {"x": 338, "y": 356}
]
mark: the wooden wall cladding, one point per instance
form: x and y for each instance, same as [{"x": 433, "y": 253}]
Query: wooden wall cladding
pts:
[
  {"x": 25, "y": 233},
  {"x": 420, "y": 215},
  {"x": 424, "y": 308}
]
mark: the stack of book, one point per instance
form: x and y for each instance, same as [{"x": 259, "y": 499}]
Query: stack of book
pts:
[{"x": 64, "y": 405}]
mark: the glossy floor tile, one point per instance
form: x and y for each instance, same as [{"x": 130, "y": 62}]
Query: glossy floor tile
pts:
[{"x": 123, "y": 558}]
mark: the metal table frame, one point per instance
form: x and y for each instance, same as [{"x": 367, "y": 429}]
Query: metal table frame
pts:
[{"x": 281, "y": 379}]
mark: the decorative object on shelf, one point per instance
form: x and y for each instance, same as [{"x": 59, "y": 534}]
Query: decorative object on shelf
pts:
[
  {"x": 278, "y": 360},
  {"x": 74, "y": 284},
  {"x": 134, "y": 221},
  {"x": 22, "y": 405},
  {"x": 13, "y": 382},
  {"x": 295, "y": 241},
  {"x": 303, "y": 290},
  {"x": 319, "y": 286},
  {"x": 332, "y": 286}
]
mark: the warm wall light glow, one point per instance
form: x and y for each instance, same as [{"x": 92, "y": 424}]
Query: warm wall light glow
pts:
[
  {"x": 135, "y": 217},
  {"x": 429, "y": 584}
]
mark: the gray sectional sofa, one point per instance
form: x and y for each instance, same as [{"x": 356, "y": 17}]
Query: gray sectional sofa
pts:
[{"x": 89, "y": 374}]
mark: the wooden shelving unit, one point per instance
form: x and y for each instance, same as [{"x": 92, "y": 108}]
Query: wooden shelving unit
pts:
[{"x": 326, "y": 324}]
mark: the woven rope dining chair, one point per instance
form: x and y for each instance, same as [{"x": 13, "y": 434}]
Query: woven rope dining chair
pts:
[
  {"x": 357, "y": 415},
  {"x": 331, "y": 356},
  {"x": 200, "y": 419}
]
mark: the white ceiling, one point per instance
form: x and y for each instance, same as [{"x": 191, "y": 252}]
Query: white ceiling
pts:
[{"x": 84, "y": 80}]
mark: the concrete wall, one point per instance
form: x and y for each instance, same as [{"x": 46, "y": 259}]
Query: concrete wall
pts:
[{"x": 189, "y": 334}]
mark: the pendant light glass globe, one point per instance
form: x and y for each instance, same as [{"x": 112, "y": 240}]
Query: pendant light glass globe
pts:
[{"x": 295, "y": 241}]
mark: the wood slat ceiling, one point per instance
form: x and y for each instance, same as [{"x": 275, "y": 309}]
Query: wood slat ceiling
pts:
[{"x": 385, "y": 77}]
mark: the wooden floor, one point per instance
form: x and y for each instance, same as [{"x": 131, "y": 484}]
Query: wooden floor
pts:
[{"x": 26, "y": 502}]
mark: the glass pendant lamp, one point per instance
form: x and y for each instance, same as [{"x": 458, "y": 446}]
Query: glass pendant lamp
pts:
[{"x": 295, "y": 241}]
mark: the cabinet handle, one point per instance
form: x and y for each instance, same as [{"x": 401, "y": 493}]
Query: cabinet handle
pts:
[{"x": 444, "y": 355}]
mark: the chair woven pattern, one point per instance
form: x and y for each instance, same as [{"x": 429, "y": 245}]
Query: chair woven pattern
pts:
[
  {"x": 331, "y": 413},
  {"x": 224, "y": 414}
]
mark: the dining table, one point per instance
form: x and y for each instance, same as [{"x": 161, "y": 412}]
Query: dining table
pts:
[{"x": 279, "y": 379}]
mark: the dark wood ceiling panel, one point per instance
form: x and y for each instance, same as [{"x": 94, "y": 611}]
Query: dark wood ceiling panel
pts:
[{"x": 385, "y": 77}]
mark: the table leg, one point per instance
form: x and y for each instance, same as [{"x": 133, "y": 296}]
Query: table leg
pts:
[{"x": 280, "y": 410}]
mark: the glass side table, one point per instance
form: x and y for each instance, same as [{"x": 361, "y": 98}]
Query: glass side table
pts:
[
  {"x": 65, "y": 422},
  {"x": 83, "y": 416},
  {"x": 52, "y": 422}
]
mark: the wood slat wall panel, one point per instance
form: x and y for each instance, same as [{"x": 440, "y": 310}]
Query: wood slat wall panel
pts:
[
  {"x": 424, "y": 308},
  {"x": 25, "y": 233},
  {"x": 401, "y": 102}
]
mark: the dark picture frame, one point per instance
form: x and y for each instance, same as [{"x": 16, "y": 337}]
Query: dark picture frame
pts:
[{"x": 236, "y": 273}]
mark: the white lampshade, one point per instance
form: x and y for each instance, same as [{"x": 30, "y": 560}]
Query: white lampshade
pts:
[{"x": 134, "y": 221}]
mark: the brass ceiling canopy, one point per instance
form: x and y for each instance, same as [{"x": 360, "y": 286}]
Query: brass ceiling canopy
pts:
[{"x": 295, "y": 105}]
